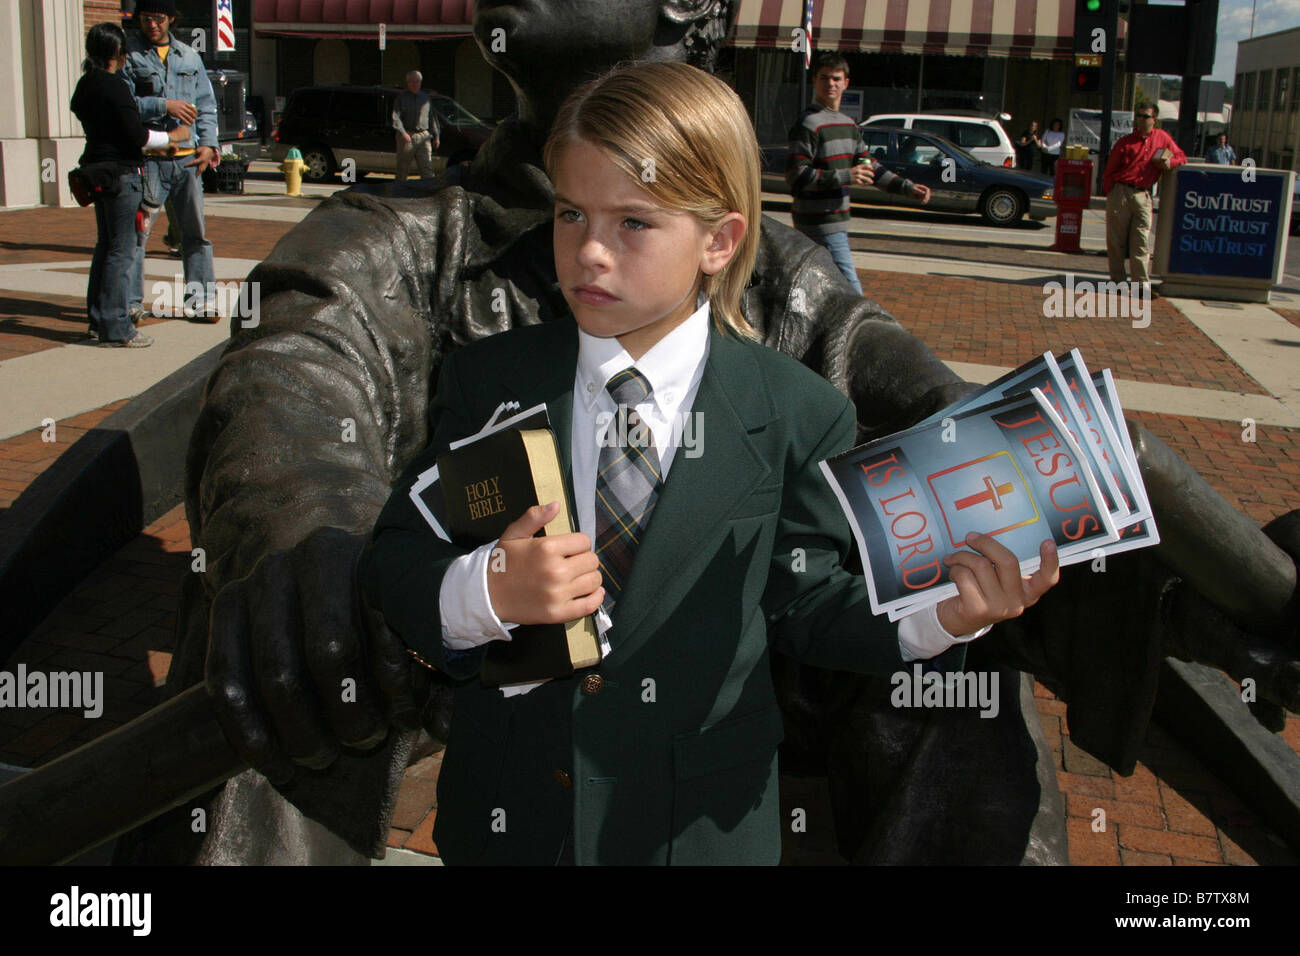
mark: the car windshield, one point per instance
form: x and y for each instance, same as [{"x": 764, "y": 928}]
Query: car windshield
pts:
[
  {"x": 952, "y": 148},
  {"x": 456, "y": 114}
]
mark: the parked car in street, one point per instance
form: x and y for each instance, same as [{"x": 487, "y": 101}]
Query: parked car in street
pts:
[
  {"x": 980, "y": 134},
  {"x": 331, "y": 124},
  {"x": 958, "y": 181}
]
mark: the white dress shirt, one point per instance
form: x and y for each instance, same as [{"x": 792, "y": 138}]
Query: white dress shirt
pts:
[{"x": 674, "y": 367}]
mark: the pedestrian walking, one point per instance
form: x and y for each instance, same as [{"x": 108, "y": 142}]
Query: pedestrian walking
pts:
[
  {"x": 1221, "y": 153},
  {"x": 827, "y": 155}
]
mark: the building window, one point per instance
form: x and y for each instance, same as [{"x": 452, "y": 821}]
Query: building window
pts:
[
  {"x": 1295, "y": 96},
  {"x": 1246, "y": 91},
  {"x": 1280, "y": 99},
  {"x": 1265, "y": 83}
]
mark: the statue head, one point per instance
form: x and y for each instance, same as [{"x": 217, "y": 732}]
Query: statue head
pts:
[{"x": 566, "y": 42}]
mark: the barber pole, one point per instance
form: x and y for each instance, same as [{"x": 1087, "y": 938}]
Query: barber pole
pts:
[{"x": 225, "y": 27}]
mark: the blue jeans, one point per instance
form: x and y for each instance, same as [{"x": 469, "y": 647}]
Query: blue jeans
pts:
[
  {"x": 166, "y": 179},
  {"x": 108, "y": 291},
  {"x": 837, "y": 243}
]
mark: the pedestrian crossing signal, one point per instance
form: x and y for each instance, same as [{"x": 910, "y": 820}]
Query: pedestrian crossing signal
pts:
[{"x": 1087, "y": 79}]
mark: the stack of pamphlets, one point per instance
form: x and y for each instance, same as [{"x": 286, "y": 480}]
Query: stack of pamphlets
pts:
[{"x": 1041, "y": 453}]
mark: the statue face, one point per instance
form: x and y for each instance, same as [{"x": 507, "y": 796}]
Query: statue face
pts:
[{"x": 520, "y": 36}]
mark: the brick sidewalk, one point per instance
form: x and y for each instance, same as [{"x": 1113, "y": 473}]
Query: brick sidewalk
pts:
[
  {"x": 33, "y": 323},
  {"x": 1172, "y": 810},
  {"x": 952, "y": 315}
]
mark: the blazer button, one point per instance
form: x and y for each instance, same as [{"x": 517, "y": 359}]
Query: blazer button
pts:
[
  {"x": 563, "y": 779},
  {"x": 592, "y": 684}
]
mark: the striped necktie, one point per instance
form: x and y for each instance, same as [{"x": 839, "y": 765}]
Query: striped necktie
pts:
[{"x": 628, "y": 479}]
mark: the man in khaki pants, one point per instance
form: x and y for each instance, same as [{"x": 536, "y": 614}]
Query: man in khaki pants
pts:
[
  {"x": 1136, "y": 163},
  {"x": 417, "y": 128}
]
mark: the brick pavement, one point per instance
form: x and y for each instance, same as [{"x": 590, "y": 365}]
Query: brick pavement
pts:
[
  {"x": 32, "y": 323},
  {"x": 1171, "y": 811},
  {"x": 952, "y": 316}
]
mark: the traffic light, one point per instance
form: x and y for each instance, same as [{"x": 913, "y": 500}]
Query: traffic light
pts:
[
  {"x": 1092, "y": 26},
  {"x": 1087, "y": 79}
]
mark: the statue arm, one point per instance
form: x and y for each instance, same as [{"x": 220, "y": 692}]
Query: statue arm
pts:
[
  {"x": 813, "y": 314},
  {"x": 307, "y": 419},
  {"x": 311, "y": 412}
]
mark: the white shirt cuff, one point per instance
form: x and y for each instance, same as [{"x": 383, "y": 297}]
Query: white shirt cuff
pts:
[
  {"x": 465, "y": 607},
  {"x": 158, "y": 139},
  {"x": 921, "y": 636}
]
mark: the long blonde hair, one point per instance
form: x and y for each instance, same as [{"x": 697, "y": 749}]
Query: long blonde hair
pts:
[{"x": 691, "y": 132}]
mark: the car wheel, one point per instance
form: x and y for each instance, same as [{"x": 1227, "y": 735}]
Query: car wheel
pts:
[
  {"x": 1002, "y": 206},
  {"x": 320, "y": 164}
]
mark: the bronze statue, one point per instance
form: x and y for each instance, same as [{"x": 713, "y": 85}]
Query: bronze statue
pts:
[{"x": 314, "y": 413}]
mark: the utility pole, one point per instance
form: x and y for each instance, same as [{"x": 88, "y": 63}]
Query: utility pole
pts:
[
  {"x": 1108, "y": 65},
  {"x": 1202, "y": 27}
]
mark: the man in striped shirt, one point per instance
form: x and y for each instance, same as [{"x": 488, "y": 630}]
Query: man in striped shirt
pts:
[{"x": 827, "y": 155}]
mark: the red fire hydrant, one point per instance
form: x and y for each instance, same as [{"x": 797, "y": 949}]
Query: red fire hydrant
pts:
[{"x": 1072, "y": 192}]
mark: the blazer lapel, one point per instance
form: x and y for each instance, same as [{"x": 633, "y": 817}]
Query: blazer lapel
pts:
[
  {"x": 701, "y": 493},
  {"x": 549, "y": 379}
]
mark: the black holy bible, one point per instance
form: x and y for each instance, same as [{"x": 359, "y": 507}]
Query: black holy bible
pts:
[{"x": 488, "y": 484}]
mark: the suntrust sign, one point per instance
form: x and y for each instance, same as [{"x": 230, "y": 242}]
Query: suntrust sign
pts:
[{"x": 1222, "y": 229}]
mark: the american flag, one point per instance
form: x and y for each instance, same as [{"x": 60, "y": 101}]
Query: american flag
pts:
[
  {"x": 807, "y": 33},
  {"x": 225, "y": 27}
]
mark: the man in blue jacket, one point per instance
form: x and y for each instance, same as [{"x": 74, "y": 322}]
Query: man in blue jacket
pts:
[{"x": 171, "y": 88}]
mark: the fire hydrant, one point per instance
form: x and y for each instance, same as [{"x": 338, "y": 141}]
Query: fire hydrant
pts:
[{"x": 293, "y": 167}]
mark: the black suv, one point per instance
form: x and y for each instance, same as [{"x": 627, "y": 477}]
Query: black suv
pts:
[{"x": 330, "y": 124}]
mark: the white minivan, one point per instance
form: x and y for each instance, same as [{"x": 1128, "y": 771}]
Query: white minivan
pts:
[{"x": 979, "y": 134}]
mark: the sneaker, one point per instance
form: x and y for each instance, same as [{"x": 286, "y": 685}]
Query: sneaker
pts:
[
  {"x": 138, "y": 315},
  {"x": 174, "y": 251},
  {"x": 91, "y": 336},
  {"x": 141, "y": 341},
  {"x": 203, "y": 313}
]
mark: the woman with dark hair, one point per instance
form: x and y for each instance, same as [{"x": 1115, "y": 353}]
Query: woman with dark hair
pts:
[
  {"x": 1027, "y": 147},
  {"x": 114, "y": 138},
  {"x": 1053, "y": 139}
]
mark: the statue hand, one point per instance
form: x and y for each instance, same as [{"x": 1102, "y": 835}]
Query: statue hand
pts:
[{"x": 298, "y": 665}]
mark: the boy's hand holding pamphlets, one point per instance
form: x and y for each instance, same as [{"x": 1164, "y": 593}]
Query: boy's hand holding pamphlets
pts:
[{"x": 1042, "y": 453}]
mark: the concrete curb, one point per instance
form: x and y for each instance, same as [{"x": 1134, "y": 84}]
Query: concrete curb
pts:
[
  {"x": 1203, "y": 708},
  {"x": 96, "y": 497}
]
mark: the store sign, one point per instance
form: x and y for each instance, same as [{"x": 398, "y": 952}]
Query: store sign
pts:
[{"x": 1226, "y": 224}]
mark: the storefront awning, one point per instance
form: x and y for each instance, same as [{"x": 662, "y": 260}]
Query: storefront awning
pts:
[
  {"x": 1042, "y": 29},
  {"x": 348, "y": 19}
]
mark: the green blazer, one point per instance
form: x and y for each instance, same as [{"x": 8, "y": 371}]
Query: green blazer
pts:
[{"x": 672, "y": 758}]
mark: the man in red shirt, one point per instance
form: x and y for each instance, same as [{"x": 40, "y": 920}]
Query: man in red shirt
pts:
[{"x": 1136, "y": 162}]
